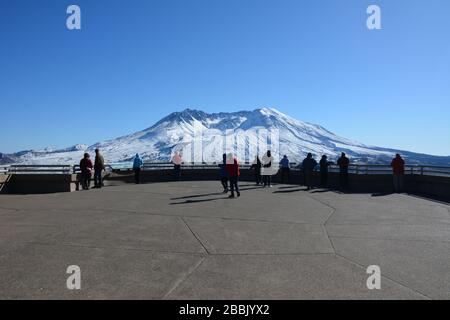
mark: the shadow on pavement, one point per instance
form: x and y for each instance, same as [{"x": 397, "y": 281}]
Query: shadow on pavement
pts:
[
  {"x": 290, "y": 191},
  {"x": 197, "y": 196},
  {"x": 381, "y": 194},
  {"x": 199, "y": 201}
]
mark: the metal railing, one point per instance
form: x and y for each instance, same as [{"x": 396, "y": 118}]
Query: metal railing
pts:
[
  {"x": 361, "y": 169},
  {"x": 38, "y": 169},
  {"x": 4, "y": 169},
  {"x": 373, "y": 169}
]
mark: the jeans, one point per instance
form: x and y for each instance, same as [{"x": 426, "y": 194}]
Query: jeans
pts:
[
  {"x": 267, "y": 180},
  {"x": 137, "y": 175},
  {"x": 177, "y": 172},
  {"x": 85, "y": 180},
  {"x": 398, "y": 182},
  {"x": 98, "y": 178},
  {"x": 323, "y": 178},
  {"x": 308, "y": 179},
  {"x": 343, "y": 178},
  {"x": 224, "y": 182},
  {"x": 285, "y": 172},
  {"x": 258, "y": 176},
  {"x": 234, "y": 185}
]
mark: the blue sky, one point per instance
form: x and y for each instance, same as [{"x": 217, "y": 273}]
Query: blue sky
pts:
[{"x": 134, "y": 62}]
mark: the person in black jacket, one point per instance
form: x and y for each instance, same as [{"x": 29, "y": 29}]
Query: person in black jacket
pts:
[
  {"x": 343, "y": 163},
  {"x": 324, "y": 163},
  {"x": 99, "y": 167},
  {"x": 224, "y": 173},
  {"x": 257, "y": 167},
  {"x": 308, "y": 166}
]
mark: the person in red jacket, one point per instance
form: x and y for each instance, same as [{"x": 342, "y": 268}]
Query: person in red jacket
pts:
[
  {"x": 398, "y": 169},
  {"x": 233, "y": 174},
  {"x": 86, "y": 171}
]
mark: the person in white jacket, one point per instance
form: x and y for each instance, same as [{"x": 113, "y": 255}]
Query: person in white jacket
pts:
[{"x": 267, "y": 165}]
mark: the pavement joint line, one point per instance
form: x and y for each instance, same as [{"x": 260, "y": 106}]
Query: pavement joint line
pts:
[
  {"x": 10, "y": 209},
  {"x": 340, "y": 224},
  {"x": 28, "y": 225},
  {"x": 329, "y": 238},
  {"x": 273, "y": 254},
  {"x": 110, "y": 247},
  {"x": 384, "y": 239},
  {"x": 387, "y": 277},
  {"x": 202, "y": 254},
  {"x": 333, "y": 209},
  {"x": 176, "y": 215},
  {"x": 329, "y": 217},
  {"x": 195, "y": 236},
  {"x": 183, "y": 278}
]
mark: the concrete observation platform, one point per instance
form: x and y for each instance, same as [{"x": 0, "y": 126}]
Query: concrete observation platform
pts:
[{"x": 186, "y": 240}]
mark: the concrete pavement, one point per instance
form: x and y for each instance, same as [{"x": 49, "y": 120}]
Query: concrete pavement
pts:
[{"x": 186, "y": 240}]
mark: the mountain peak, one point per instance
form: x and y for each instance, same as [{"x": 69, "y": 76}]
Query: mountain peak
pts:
[{"x": 296, "y": 138}]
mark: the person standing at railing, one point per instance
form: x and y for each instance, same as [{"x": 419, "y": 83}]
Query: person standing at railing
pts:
[
  {"x": 99, "y": 166},
  {"x": 343, "y": 163},
  {"x": 267, "y": 161},
  {"x": 224, "y": 173},
  {"x": 86, "y": 171},
  {"x": 177, "y": 160},
  {"x": 324, "y": 163},
  {"x": 233, "y": 174},
  {"x": 398, "y": 170},
  {"x": 256, "y": 165},
  {"x": 285, "y": 170},
  {"x": 137, "y": 165},
  {"x": 308, "y": 165}
]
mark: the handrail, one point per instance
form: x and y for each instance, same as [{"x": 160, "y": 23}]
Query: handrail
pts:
[
  {"x": 360, "y": 169},
  {"x": 4, "y": 169}
]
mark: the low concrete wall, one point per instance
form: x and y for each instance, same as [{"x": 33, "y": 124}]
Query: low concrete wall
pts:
[
  {"x": 3, "y": 181},
  {"x": 38, "y": 183},
  {"x": 429, "y": 186},
  {"x": 432, "y": 186},
  {"x": 382, "y": 183}
]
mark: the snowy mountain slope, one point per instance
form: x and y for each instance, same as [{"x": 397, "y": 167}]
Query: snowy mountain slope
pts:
[{"x": 296, "y": 139}]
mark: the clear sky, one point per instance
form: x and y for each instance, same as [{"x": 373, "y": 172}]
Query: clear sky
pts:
[{"x": 135, "y": 61}]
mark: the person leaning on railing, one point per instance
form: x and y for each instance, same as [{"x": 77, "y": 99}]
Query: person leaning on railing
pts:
[
  {"x": 99, "y": 166},
  {"x": 285, "y": 169},
  {"x": 177, "y": 160},
  {"x": 343, "y": 163},
  {"x": 137, "y": 164},
  {"x": 86, "y": 171},
  {"x": 324, "y": 164},
  {"x": 398, "y": 169},
  {"x": 308, "y": 165}
]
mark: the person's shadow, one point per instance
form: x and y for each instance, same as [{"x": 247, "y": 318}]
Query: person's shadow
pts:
[
  {"x": 197, "y": 196},
  {"x": 198, "y": 201}
]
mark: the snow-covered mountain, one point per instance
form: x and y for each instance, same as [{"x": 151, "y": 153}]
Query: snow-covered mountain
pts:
[{"x": 174, "y": 132}]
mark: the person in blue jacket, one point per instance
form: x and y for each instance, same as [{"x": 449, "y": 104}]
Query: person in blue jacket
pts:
[
  {"x": 224, "y": 174},
  {"x": 285, "y": 170},
  {"x": 137, "y": 164}
]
